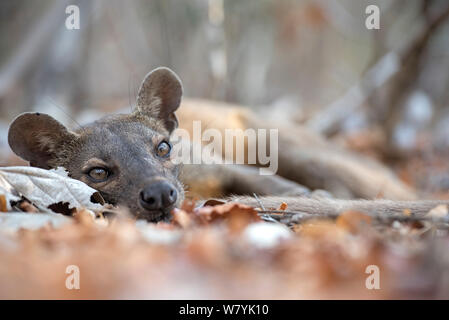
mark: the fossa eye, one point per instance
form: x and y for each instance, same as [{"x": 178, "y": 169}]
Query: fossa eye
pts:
[
  {"x": 163, "y": 149},
  {"x": 99, "y": 174}
]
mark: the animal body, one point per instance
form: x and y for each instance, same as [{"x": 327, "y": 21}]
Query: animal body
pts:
[{"x": 128, "y": 158}]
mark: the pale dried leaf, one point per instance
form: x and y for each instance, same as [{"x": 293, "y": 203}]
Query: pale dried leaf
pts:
[
  {"x": 8, "y": 192},
  {"x": 45, "y": 188},
  {"x": 440, "y": 211}
]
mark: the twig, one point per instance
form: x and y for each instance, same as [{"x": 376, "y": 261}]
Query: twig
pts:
[
  {"x": 264, "y": 216},
  {"x": 258, "y": 200}
]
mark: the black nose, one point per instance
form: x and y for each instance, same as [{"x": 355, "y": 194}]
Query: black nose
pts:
[{"x": 158, "y": 196}]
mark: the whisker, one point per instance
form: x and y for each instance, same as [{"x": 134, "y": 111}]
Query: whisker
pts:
[{"x": 62, "y": 109}]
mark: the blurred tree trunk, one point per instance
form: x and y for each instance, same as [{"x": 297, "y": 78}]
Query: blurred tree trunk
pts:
[{"x": 406, "y": 80}]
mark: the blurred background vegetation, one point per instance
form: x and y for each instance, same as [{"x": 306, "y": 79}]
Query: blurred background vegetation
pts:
[{"x": 382, "y": 92}]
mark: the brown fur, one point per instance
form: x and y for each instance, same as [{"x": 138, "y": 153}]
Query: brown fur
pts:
[{"x": 304, "y": 157}]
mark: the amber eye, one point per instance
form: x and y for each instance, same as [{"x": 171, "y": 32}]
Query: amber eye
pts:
[
  {"x": 163, "y": 149},
  {"x": 99, "y": 174}
]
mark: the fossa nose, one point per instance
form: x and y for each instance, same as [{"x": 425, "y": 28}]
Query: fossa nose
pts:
[{"x": 159, "y": 195}]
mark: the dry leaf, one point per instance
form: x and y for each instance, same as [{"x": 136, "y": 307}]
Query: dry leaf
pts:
[
  {"x": 181, "y": 218},
  {"x": 283, "y": 206},
  {"x": 213, "y": 203},
  {"x": 188, "y": 205},
  {"x": 50, "y": 190},
  {"x": 237, "y": 216},
  {"x": 3, "y": 203},
  {"x": 84, "y": 216},
  {"x": 440, "y": 211},
  {"x": 9, "y": 193},
  {"x": 27, "y": 207},
  {"x": 353, "y": 221},
  {"x": 317, "y": 228}
]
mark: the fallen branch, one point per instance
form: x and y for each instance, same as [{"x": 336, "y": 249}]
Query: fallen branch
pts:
[{"x": 303, "y": 216}]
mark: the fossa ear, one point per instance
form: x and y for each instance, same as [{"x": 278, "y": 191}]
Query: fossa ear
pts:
[
  {"x": 160, "y": 96},
  {"x": 37, "y": 138}
]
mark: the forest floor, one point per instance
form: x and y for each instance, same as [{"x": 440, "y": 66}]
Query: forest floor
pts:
[{"x": 228, "y": 251}]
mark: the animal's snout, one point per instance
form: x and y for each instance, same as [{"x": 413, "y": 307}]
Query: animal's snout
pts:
[{"x": 158, "y": 195}]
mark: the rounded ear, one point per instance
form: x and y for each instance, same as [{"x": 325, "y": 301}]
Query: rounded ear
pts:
[
  {"x": 160, "y": 96},
  {"x": 38, "y": 138}
]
